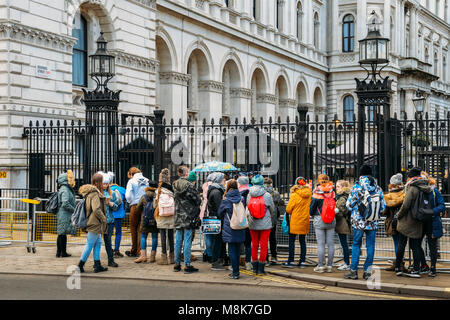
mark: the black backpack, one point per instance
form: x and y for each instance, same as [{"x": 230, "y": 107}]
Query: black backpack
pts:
[
  {"x": 148, "y": 219},
  {"x": 52, "y": 204},
  {"x": 423, "y": 208}
]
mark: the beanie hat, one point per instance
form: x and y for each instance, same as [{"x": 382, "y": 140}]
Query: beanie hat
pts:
[
  {"x": 164, "y": 176},
  {"x": 192, "y": 176},
  {"x": 106, "y": 177},
  {"x": 152, "y": 185},
  {"x": 396, "y": 179},
  {"x": 323, "y": 178},
  {"x": 258, "y": 180},
  {"x": 414, "y": 172},
  {"x": 300, "y": 181},
  {"x": 243, "y": 180},
  {"x": 365, "y": 170},
  {"x": 111, "y": 176},
  {"x": 217, "y": 177}
]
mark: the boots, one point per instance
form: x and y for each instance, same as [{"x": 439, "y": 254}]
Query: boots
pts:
[
  {"x": 255, "y": 266},
  {"x": 142, "y": 257},
  {"x": 152, "y": 257},
  {"x": 171, "y": 258},
  {"x": 392, "y": 267},
  {"x": 261, "y": 268},
  {"x": 163, "y": 259},
  {"x": 111, "y": 262},
  {"x": 118, "y": 254},
  {"x": 81, "y": 266},
  {"x": 98, "y": 267},
  {"x": 64, "y": 253},
  {"x": 58, "y": 247}
]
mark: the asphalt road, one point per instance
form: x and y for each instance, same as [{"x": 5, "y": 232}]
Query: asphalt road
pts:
[{"x": 25, "y": 287}]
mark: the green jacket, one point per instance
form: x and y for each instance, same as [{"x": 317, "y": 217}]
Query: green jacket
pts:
[
  {"x": 66, "y": 206},
  {"x": 343, "y": 225}
]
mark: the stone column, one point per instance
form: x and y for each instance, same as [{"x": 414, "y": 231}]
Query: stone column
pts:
[
  {"x": 210, "y": 99},
  {"x": 173, "y": 94},
  {"x": 334, "y": 23},
  {"x": 265, "y": 104},
  {"x": 413, "y": 32},
  {"x": 401, "y": 29},
  {"x": 386, "y": 19},
  {"x": 287, "y": 109},
  {"x": 240, "y": 104},
  {"x": 361, "y": 21}
]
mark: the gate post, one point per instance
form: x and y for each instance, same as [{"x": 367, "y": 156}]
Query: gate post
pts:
[
  {"x": 159, "y": 136},
  {"x": 388, "y": 143},
  {"x": 301, "y": 131}
]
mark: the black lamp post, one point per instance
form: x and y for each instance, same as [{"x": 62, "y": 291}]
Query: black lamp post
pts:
[
  {"x": 374, "y": 91},
  {"x": 101, "y": 146}
]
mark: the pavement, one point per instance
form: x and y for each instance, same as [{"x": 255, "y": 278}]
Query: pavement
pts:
[{"x": 14, "y": 259}]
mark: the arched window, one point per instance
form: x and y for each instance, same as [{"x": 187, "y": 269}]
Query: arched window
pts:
[
  {"x": 436, "y": 62},
  {"x": 427, "y": 56},
  {"x": 316, "y": 30},
  {"x": 299, "y": 21},
  {"x": 444, "y": 69},
  {"x": 349, "y": 108},
  {"x": 79, "y": 57},
  {"x": 348, "y": 33}
]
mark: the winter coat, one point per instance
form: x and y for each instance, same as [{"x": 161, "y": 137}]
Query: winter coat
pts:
[
  {"x": 187, "y": 203},
  {"x": 298, "y": 209},
  {"x": 244, "y": 193},
  {"x": 214, "y": 196},
  {"x": 264, "y": 223},
  {"x": 226, "y": 211},
  {"x": 110, "y": 210},
  {"x": 203, "y": 209},
  {"x": 120, "y": 212},
  {"x": 66, "y": 206},
  {"x": 169, "y": 221},
  {"x": 150, "y": 193},
  {"x": 95, "y": 209},
  {"x": 136, "y": 188},
  {"x": 406, "y": 225},
  {"x": 343, "y": 225},
  {"x": 434, "y": 227},
  {"x": 394, "y": 200},
  {"x": 279, "y": 205},
  {"x": 364, "y": 183}
]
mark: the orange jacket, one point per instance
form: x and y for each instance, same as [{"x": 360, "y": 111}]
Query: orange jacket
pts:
[{"x": 298, "y": 209}]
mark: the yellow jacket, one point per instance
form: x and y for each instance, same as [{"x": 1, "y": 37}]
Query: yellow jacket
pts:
[{"x": 298, "y": 209}]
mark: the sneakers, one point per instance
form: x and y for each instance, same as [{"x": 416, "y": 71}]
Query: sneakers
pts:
[
  {"x": 319, "y": 269},
  {"x": 131, "y": 255},
  {"x": 329, "y": 269},
  {"x": 287, "y": 264},
  {"x": 432, "y": 272},
  {"x": 301, "y": 265},
  {"x": 248, "y": 266},
  {"x": 274, "y": 261},
  {"x": 424, "y": 269},
  {"x": 366, "y": 275},
  {"x": 398, "y": 271},
  {"x": 351, "y": 274},
  {"x": 190, "y": 269},
  {"x": 413, "y": 274},
  {"x": 344, "y": 267},
  {"x": 233, "y": 276},
  {"x": 176, "y": 268},
  {"x": 217, "y": 266}
]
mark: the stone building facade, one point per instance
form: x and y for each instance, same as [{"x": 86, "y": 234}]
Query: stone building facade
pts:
[{"x": 210, "y": 59}]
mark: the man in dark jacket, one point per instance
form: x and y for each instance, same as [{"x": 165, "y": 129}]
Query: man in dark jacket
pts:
[
  {"x": 244, "y": 189},
  {"x": 187, "y": 209},
  {"x": 280, "y": 209}
]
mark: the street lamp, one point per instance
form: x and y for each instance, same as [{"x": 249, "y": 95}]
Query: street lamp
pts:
[
  {"x": 101, "y": 64},
  {"x": 419, "y": 102}
]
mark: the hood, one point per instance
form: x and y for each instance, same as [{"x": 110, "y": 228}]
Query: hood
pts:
[
  {"x": 140, "y": 179},
  {"x": 422, "y": 184},
  {"x": 302, "y": 191},
  {"x": 242, "y": 188},
  {"x": 245, "y": 192},
  {"x": 368, "y": 183},
  {"x": 89, "y": 188},
  {"x": 166, "y": 186},
  {"x": 394, "y": 198},
  {"x": 180, "y": 185},
  {"x": 234, "y": 196},
  {"x": 218, "y": 186},
  {"x": 257, "y": 191},
  {"x": 321, "y": 190},
  {"x": 67, "y": 179}
]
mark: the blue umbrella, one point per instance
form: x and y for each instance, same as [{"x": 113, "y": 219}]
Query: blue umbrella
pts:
[{"x": 215, "y": 166}]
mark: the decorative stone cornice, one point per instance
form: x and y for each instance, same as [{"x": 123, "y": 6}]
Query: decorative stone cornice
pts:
[
  {"x": 132, "y": 61},
  {"x": 266, "y": 98},
  {"x": 37, "y": 37},
  {"x": 241, "y": 93},
  {"x": 287, "y": 102},
  {"x": 173, "y": 77},
  {"x": 146, "y": 3},
  {"x": 210, "y": 85}
]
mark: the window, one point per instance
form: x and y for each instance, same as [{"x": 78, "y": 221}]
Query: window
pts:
[
  {"x": 436, "y": 61},
  {"x": 256, "y": 10},
  {"x": 444, "y": 69},
  {"x": 316, "y": 30},
  {"x": 348, "y": 33},
  {"x": 279, "y": 8},
  {"x": 299, "y": 21},
  {"x": 371, "y": 113},
  {"x": 79, "y": 58},
  {"x": 349, "y": 108}
]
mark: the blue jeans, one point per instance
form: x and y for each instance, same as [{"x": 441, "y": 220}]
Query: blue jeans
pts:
[
  {"x": 234, "y": 250},
  {"x": 94, "y": 241},
  {"x": 187, "y": 233},
  {"x": 144, "y": 241},
  {"x": 345, "y": 249},
  {"x": 356, "y": 248},
  {"x": 302, "y": 240},
  {"x": 208, "y": 245},
  {"x": 118, "y": 226},
  {"x": 107, "y": 238},
  {"x": 395, "y": 238}
]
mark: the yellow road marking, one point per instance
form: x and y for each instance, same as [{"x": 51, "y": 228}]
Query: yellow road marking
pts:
[{"x": 299, "y": 283}]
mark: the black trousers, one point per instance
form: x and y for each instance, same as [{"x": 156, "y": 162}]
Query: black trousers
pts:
[
  {"x": 272, "y": 243},
  {"x": 415, "y": 247},
  {"x": 61, "y": 244},
  {"x": 432, "y": 244}
]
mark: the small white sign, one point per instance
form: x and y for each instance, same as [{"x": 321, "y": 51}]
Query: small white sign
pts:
[{"x": 42, "y": 71}]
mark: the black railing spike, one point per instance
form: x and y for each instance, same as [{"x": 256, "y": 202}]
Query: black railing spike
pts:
[
  {"x": 132, "y": 121},
  {"x": 212, "y": 120},
  {"x": 244, "y": 121},
  {"x": 220, "y": 121},
  {"x": 188, "y": 122},
  {"x": 426, "y": 115},
  {"x": 44, "y": 123},
  {"x": 65, "y": 123},
  {"x": 172, "y": 122},
  {"x": 58, "y": 123},
  {"x": 287, "y": 120},
  {"x": 164, "y": 121},
  {"x": 79, "y": 122},
  {"x": 270, "y": 120},
  {"x": 307, "y": 118},
  {"x": 37, "y": 123},
  {"x": 326, "y": 118},
  {"x": 204, "y": 121},
  {"x": 72, "y": 123},
  {"x": 51, "y": 123},
  {"x": 31, "y": 123},
  {"x": 279, "y": 119},
  {"x": 395, "y": 115},
  {"x": 147, "y": 121},
  {"x": 317, "y": 118},
  {"x": 180, "y": 121},
  {"x": 335, "y": 117},
  {"x": 437, "y": 115},
  {"x": 140, "y": 121}
]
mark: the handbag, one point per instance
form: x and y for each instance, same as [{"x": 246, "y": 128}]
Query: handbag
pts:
[{"x": 285, "y": 224}]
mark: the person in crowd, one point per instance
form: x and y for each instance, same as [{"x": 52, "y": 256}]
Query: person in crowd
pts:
[
  {"x": 187, "y": 209},
  {"x": 394, "y": 200},
  {"x": 259, "y": 201},
  {"x": 432, "y": 228},
  {"x": 360, "y": 225},
  {"x": 215, "y": 195},
  {"x": 409, "y": 228},
  {"x": 192, "y": 178},
  {"x": 234, "y": 238},
  {"x": 66, "y": 207},
  {"x": 119, "y": 215},
  {"x": 324, "y": 231},
  {"x": 111, "y": 206},
  {"x": 165, "y": 216},
  {"x": 280, "y": 207},
  {"x": 445, "y": 187},
  {"x": 244, "y": 189},
  {"x": 207, "y": 254},
  {"x": 250, "y": 175},
  {"x": 148, "y": 197},
  {"x": 343, "y": 225},
  {"x": 95, "y": 206},
  {"x": 134, "y": 191},
  {"x": 298, "y": 211}
]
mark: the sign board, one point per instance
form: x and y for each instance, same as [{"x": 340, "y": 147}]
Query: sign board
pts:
[
  {"x": 2, "y": 174},
  {"x": 42, "y": 71}
]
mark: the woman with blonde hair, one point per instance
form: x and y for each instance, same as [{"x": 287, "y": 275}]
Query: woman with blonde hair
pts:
[
  {"x": 66, "y": 207},
  {"x": 343, "y": 225}
]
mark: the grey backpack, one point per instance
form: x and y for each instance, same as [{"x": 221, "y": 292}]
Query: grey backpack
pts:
[{"x": 79, "y": 219}]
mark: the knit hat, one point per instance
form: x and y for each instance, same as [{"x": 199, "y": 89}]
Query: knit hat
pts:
[
  {"x": 164, "y": 176},
  {"x": 106, "y": 177},
  {"x": 243, "y": 180},
  {"x": 322, "y": 179},
  {"x": 414, "y": 172},
  {"x": 300, "y": 181},
  {"x": 111, "y": 176},
  {"x": 217, "y": 177},
  {"x": 153, "y": 184},
  {"x": 192, "y": 176},
  {"x": 365, "y": 170},
  {"x": 396, "y": 179},
  {"x": 258, "y": 180}
]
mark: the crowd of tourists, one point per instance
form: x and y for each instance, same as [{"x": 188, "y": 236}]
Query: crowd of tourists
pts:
[{"x": 248, "y": 211}]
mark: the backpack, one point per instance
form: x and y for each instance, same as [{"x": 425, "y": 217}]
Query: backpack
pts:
[
  {"x": 370, "y": 205},
  {"x": 422, "y": 209},
  {"x": 52, "y": 204},
  {"x": 148, "y": 219},
  {"x": 328, "y": 209},
  {"x": 257, "y": 207},
  {"x": 79, "y": 218},
  {"x": 118, "y": 197},
  {"x": 238, "y": 219},
  {"x": 166, "y": 205}
]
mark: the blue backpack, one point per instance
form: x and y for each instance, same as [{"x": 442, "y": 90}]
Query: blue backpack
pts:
[{"x": 148, "y": 219}]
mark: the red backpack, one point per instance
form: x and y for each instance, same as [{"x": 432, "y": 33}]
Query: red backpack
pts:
[
  {"x": 257, "y": 207},
  {"x": 328, "y": 206}
]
